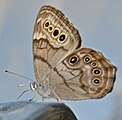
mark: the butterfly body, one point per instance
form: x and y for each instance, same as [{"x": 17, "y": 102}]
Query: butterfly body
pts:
[{"x": 63, "y": 69}]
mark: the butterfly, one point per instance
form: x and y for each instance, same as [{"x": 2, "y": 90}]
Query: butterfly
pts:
[{"x": 63, "y": 69}]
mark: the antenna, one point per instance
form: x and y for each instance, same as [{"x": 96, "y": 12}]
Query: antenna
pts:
[
  {"x": 19, "y": 75},
  {"x": 21, "y": 85}
]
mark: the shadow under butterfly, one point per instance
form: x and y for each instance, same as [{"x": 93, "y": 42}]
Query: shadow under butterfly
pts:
[{"x": 62, "y": 69}]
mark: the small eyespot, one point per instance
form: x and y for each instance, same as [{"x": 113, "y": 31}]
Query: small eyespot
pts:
[
  {"x": 62, "y": 37},
  {"x": 46, "y": 24},
  {"x": 96, "y": 72},
  {"x": 87, "y": 59},
  {"x": 96, "y": 81},
  {"x": 56, "y": 33},
  {"x": 94, "y": 64},
  {"x": 73, "y": 60},
  {"x": 50, "y": 28}
]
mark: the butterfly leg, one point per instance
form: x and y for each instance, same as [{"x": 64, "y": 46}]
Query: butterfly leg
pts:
[
  {"x": 56, "y": 96},
  {"x": 33, "y": 96},
  {"x": 22, "y": 93},
  {"x": 43, "y": 98}
]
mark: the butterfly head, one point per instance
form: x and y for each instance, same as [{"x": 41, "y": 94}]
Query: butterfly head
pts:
[{"x": 33, "y": 86}]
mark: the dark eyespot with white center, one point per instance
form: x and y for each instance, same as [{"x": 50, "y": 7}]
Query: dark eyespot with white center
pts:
[
  {"x": 94, "y": 64},
  {"x": 56, "y": 33},
  {"x": 50, "y": 28},
  {"x": 73, "y": 60},
  {"x": 62, "y": 38},
  {"x": 96, "y": 72},
  {"x": 96, "y": 81},
  {"x": 87, "y": 59},
  {"x": 46, "y": 24}
]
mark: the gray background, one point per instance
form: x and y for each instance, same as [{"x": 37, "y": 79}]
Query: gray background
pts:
[{"x": 99, "y": 22}]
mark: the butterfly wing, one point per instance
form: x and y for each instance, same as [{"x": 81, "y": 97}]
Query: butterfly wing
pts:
[
  {"x": 84, "y": 74},
  {"x": 53, "y": 38}
]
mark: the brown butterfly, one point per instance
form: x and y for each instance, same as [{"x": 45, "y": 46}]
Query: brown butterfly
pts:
[{"x": 62, "y": 69}]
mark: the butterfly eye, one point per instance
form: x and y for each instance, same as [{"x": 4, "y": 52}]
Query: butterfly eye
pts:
[
  {"x": 50, "y": 28},
  {"x": 73, "y": 60},
  {"x": 62, "y": 37},
  {"x": 46, "y": 24},
  {"x": 96, "y": 72},
  {"x": 94, "y": 64},
  {"x": 56, "y": 33},
  {"x": 96, "y": 81},
  {"x": 87, "y": 59}
]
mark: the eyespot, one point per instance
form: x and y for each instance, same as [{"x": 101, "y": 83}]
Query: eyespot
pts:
[
  {"x": 94, "y": 64},
  {"x": 46, "y": 24},
  {"x": 50, "y": 28},
  {"x": 55, "y": 32},
  {"x": 62, "y": 37},
  {"x": 73, "y": 60},
  {"x": 87, "y": 59},
  {"x": 96, "y": 72},
  {"x": 96, "y": 81}
]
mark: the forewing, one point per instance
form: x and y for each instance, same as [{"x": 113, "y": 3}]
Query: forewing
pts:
[{"x": 54, "y": 37}]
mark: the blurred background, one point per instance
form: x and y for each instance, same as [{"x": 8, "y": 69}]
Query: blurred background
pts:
[{"x": 100, "y": 24}]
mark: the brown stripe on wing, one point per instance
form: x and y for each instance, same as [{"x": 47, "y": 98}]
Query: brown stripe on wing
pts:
[
  {"x": 43, "y": 51},
  {"x": 42, "y": 59},
  {"x": 39, "y": 44},
  {"x": 49, "y": 50},
  {"x": 61, "y": 76}
]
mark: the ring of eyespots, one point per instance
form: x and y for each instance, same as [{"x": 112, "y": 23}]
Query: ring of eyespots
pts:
[
  {"x": 96, "y": 72},
  {"x": 73, "y": 60},
  {"x": 62, "y": 38},
  {"x": 56, "y": 33},
  {"x": 96, "y": 81},
  {"x": 87, "y": 59},
  {"x": 94, "y": 64}
]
